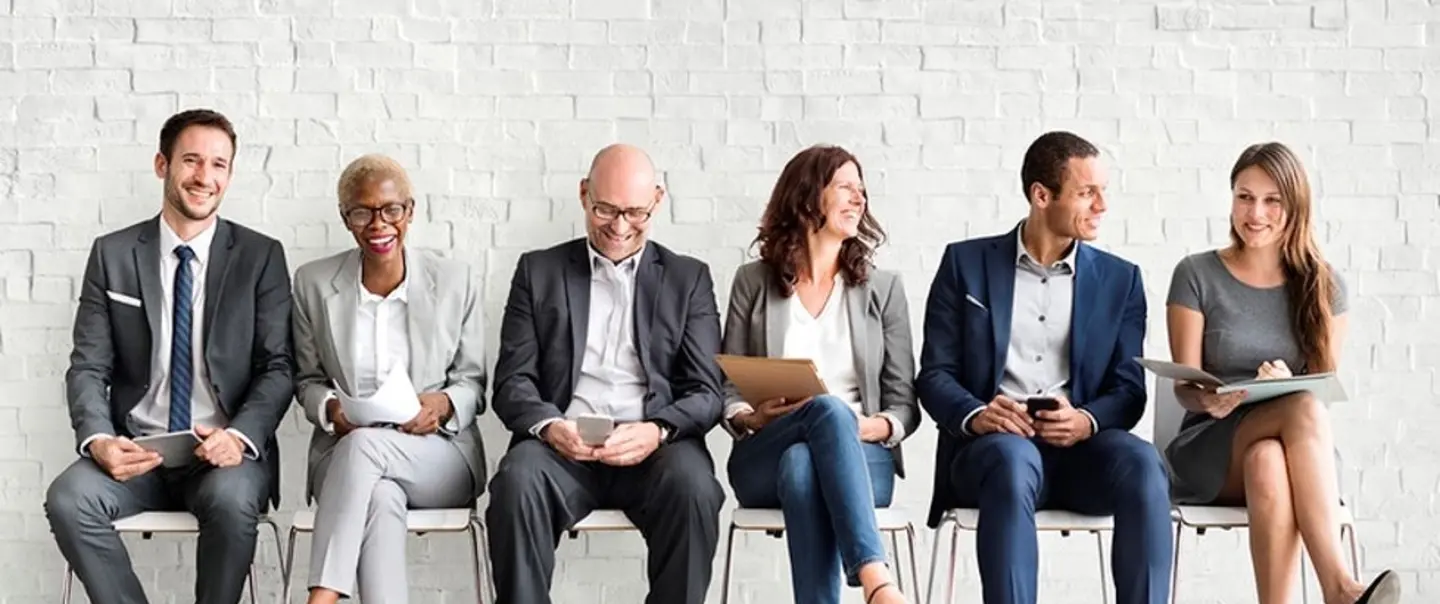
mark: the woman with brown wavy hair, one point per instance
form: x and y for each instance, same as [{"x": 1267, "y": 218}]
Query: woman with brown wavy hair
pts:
[
  {"x": 1258, "y": 308},
  {"x": 826, "y": 461}
]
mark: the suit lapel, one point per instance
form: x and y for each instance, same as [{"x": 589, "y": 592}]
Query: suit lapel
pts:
[
  {"x": 777, "y": 317},
  {"x": 648, "y": 280},
  {"x": 1000, "y": 283},
  {"x": 340, "y": 307},
  {"x": 215, "y": 272},
  {"x": 420, "y": 310},
  {"x": 147, "y": 269},
  {"x": 1080, "y": 310},
  {"x": 577, "y": 300},
  {"x": 857, "y": 307}
]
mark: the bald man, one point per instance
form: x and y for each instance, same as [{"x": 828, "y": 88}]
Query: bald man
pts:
[{"x": 609, "y": 326}]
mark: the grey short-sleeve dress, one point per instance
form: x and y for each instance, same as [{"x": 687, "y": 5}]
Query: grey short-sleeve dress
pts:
[{"x": 1244, "y": 327}]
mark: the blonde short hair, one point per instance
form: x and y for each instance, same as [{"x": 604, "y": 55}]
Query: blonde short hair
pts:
[{"x": 369, "y": 169}]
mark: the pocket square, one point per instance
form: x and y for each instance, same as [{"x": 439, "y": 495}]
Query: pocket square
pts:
[
  {"x": 123, "y": 299},
  {"x": 971, "y": 299}
]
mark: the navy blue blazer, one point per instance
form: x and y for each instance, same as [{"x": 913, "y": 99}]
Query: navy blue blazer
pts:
[{"x": 962, "y": 360}]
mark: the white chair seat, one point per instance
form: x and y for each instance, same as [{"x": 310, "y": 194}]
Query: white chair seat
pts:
[
  {"x": 1206, "y": 516},
  {"x": 604, "y": 520},
  {"x": 1045, "y": 520},
  {"x": 747, "y": 519},
  {"x": 416, "y": 521},
  {"x": 158, "y": 522}
]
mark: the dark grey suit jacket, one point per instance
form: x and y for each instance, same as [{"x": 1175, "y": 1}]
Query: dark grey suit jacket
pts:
[
  {"x": 246, "y": 332},
  {"x": 542, "y": 339},
  {"x": 879, "y": 319}
]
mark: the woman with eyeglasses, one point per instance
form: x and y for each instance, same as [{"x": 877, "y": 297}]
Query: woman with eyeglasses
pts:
[
  {"x": 827, "y": 462},
  {"x": 400, "y": 329}
]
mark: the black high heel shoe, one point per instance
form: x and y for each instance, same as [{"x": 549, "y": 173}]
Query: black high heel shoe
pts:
[{"x": 1385, "y": 589}]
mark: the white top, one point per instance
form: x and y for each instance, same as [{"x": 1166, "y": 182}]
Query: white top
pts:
[
  {"x": 825, "y": 339},
  {"x": 382, "y": 336}
]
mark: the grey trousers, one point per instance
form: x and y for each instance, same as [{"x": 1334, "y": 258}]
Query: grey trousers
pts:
[
  {"x": 366, "y": 484},
  {"x": 83, "y": 502}
]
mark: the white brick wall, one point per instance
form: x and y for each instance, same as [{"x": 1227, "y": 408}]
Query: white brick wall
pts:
[{"x": 496, "y": 106}]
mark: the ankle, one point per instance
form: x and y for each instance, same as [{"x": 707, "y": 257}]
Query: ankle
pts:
[{"x": 873, "y": 575}]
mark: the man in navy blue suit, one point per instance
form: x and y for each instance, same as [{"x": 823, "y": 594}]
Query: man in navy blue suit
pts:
[{"x": 1037, "y": 313}]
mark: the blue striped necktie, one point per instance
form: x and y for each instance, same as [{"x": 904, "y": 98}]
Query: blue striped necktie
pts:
[{"x": 182, "y": 375}]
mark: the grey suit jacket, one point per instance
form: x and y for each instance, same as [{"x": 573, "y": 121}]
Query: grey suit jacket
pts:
[
  {"x": 247, "y": 334},
  {"x": 447, "y": 339},
  {"x": 542, "y": 339},
  {"x": 879, "y": 329}
]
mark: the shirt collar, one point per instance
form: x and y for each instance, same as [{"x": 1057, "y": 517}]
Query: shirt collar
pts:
[
  {"x": 401, "y": 292},
  {"x": 598, "y": 262},
  {"x": 1021, "y": 254},
  {"x": 200, "y": 243}
]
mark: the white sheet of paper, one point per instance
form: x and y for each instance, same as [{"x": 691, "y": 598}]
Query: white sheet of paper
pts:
[{"x": 394, "y": 402}]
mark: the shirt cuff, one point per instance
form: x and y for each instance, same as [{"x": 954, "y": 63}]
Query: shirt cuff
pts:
[
  {"x": 731, "y": 411},
  {"x": 965, "y": 423},
  {"x": 897, "y": 430},
  {"x": 85, "y": 444},
  {"x": 250, "y": 451},
  {"x": 325, "y": 423},
  {"x": 1094, "y": 425},
  {"x": 539, "y": 427}
]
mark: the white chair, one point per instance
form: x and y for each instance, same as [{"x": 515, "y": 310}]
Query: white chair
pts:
[
  {"x": 1168, "y": 417},
  {"x": 600, "y": 521},
  {"x": 772, "y": 522},
  {"x": 147, "y": 524},
  {"x": 419, "y": 522},
  {"x": 1053, "y": 521}
]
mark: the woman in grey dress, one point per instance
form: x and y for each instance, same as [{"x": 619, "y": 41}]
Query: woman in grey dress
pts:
[{"x": 1258, "y": 308}]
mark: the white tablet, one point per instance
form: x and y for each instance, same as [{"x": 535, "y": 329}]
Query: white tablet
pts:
[{"x": 176, "y": 449}]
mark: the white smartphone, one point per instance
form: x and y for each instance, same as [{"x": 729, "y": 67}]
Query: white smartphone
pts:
[{"x": 594, "y": 429}]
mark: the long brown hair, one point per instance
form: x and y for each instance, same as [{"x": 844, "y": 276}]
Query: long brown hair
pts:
[
  {"x": 1308, "y": 282},
  {"x": 794, "y": 211}
]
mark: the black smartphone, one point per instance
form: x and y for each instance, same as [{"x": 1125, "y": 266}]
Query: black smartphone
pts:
[{"x": 1040, "y": 403}]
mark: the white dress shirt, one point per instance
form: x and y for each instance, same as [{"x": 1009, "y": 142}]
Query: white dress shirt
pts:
[
  {"x": 152, "y": 414},
  {"x": 612, "y": 381},
  {"x": 382, "y": 337}
]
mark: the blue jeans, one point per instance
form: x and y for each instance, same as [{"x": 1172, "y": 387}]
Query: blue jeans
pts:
[
  {"x": 812, "y": 465},
  {"x": 1008, "y": 477}
]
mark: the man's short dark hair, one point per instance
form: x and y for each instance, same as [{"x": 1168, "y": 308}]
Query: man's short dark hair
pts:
[
  {"x": 1046, "y": 158},
  {"x": 193, "y": 117}
]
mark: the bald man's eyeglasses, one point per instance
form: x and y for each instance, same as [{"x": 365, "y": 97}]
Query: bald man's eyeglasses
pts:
[{"x": 607, "y": 212}]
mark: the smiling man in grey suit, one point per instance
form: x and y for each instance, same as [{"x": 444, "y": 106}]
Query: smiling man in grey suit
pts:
[
  {"x": 615, "y": 326},
  {"x": 183, "y": 324},
  {"x": 363, "y": 317}
]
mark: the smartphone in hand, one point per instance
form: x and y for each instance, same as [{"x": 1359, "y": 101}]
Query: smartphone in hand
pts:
[
  {"x": 1041, "y": 403},
  {"x": 594, "y": 429}
]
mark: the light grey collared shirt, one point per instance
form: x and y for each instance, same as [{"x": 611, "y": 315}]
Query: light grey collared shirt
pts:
[
  {"x": 1037, "y": 361},
  {"x": 612, "y": 381}
]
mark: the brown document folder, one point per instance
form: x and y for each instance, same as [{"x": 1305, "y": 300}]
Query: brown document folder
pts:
[{"x": 763, "y": 378}]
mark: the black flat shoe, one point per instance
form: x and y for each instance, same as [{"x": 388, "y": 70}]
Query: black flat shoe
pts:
[{"x": 1385, "y": 589}]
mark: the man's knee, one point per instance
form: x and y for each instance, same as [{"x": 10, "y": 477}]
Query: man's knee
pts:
[
  {"x": 797, "y": 472},
  {"x": 1010, "y": 466},
  {"x": 688, "y": 480},
  {"x": 74, "y": 498},
  {"x": 231, "y": 498},
  {"x": 1141, "y": 474},
  {"x": 520, "y": 477}
]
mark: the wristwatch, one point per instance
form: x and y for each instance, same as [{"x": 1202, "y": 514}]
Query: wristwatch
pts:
[{"x": 666, "y": 430}]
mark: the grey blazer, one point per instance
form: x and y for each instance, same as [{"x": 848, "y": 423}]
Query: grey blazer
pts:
[
  {"x": 879, "y": 330},
  {"x": 447, "y": 342},
  {"x": 247, "y": 334}
]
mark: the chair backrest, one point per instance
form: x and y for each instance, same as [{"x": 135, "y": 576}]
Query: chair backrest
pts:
[{"x": 1168, "y": 413}]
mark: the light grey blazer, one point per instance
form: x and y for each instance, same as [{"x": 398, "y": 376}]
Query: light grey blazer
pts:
[
  {"x": 879, "y": 330},
  {"x": 446, "y": 344}
]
